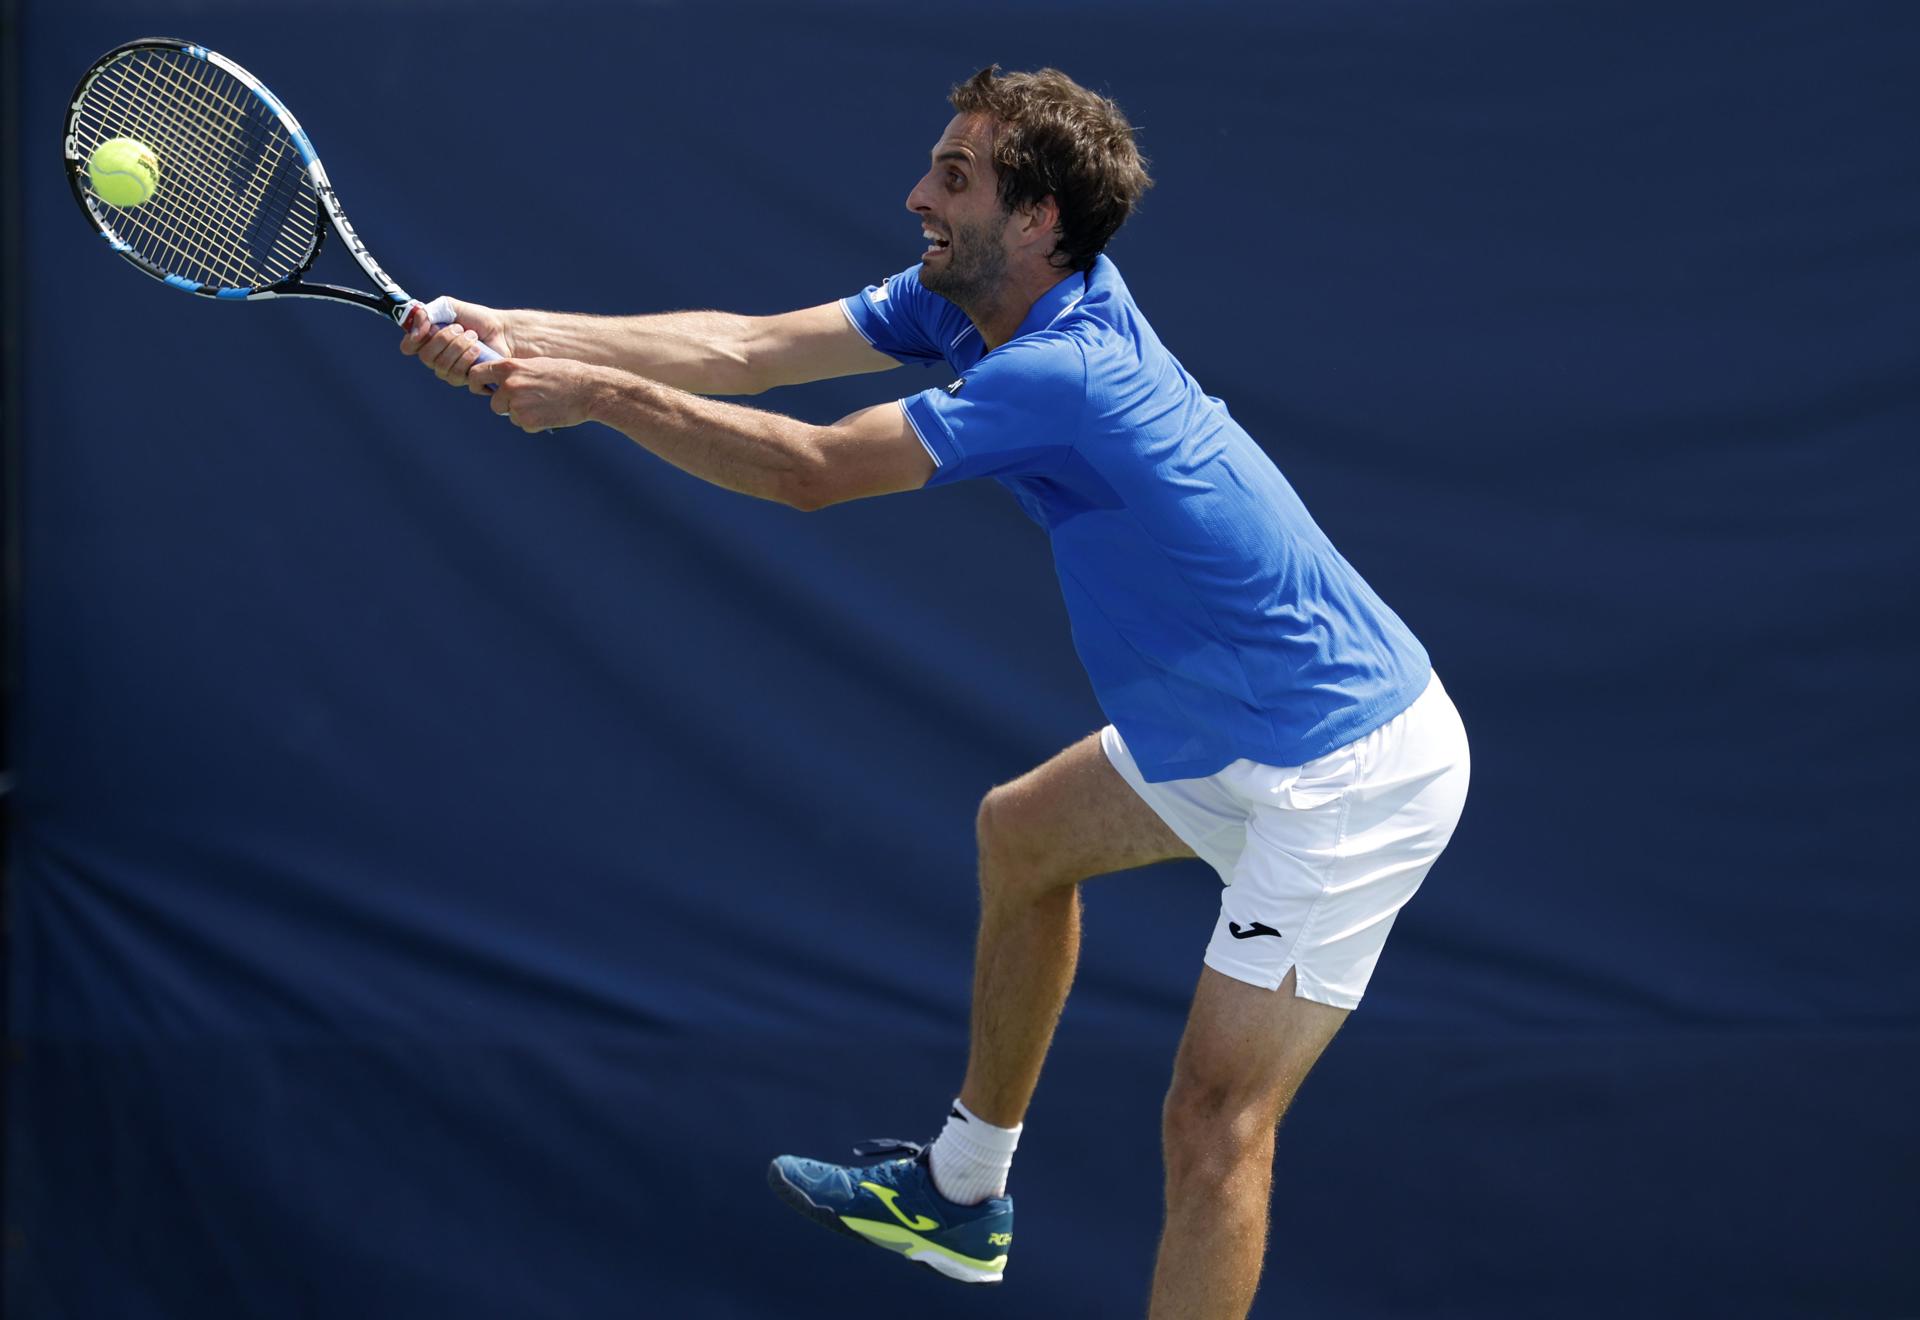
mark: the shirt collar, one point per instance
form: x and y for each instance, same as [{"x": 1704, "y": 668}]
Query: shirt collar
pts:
[{"x": 1054, "y": 303}]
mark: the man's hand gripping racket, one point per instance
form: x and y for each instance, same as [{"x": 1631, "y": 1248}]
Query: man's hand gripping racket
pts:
[{"x": 451, "y": 337}]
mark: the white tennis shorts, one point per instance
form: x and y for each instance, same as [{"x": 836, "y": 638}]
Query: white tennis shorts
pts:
[{"x": 1319, "y": 858}]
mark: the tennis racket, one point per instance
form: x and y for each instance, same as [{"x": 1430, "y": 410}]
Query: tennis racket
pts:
[{"x": 242, "y": 205}]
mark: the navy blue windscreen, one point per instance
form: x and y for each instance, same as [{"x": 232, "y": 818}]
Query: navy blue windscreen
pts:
[{"x": 448, "y": 863}]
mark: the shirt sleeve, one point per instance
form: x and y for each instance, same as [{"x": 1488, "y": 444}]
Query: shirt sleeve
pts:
[
  {"x": 1018, "y": 410},
  {"x": 906, "y": 320}
]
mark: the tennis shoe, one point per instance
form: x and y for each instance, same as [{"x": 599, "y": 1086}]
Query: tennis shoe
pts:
[{"x": 894, "y": 1204}]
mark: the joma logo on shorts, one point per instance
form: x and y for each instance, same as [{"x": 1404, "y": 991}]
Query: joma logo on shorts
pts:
[{"x": 1240, "y": 932}]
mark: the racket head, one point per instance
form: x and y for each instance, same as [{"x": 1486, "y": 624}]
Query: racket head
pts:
[{"x": 238, "y": 210}]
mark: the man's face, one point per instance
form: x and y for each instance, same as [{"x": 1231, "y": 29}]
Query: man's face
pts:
[{"x": 958, "y": 202}]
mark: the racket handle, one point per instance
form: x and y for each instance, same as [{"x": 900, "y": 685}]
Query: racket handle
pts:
[
  {"x": 486, "y": 354},
  {"x": 440, "y": 313}
]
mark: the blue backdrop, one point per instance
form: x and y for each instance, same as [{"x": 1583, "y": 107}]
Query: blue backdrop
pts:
[{"x": 448, "y": 863}]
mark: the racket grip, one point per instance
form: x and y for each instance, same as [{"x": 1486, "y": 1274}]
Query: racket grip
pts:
[
  {"x": 441, "y": 315},
  {"x": 486, "y": 354}
]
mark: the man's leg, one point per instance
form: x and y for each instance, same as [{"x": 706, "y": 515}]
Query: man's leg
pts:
[
  {"x": 1245, "y": 1052},
  {"x": 1072, "y": 818},
  {"x": 1066, "y": 821}
]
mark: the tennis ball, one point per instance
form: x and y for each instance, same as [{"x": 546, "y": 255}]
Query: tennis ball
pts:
[{"x": 123, "y": 171}]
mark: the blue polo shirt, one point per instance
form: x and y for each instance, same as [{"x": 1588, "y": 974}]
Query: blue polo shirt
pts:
[{"x": 1215, "y": 619}]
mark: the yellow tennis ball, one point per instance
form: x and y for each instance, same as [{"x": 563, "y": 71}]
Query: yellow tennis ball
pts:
[{"x": 123, "y": 171}]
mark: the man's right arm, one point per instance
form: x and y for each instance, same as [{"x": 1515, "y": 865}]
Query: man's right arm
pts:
[{"x": 699, "y": 352}]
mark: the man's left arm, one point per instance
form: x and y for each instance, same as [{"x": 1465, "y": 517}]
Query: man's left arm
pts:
[{"x": 764, "y": 454}]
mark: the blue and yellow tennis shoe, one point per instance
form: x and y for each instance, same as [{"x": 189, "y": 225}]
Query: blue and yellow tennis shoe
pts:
[{"x": 894, "y": 1204}]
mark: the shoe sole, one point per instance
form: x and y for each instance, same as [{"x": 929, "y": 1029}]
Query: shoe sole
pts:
[{"x": 898, "y": 1241}]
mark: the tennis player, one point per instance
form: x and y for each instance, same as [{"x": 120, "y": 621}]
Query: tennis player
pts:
[{"x": 1270, "y": 714}]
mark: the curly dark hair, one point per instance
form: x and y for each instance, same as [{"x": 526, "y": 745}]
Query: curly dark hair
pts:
[{"x": 1055, "y": 138}]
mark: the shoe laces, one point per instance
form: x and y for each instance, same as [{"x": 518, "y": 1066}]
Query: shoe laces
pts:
[{"x": 890, "y": 1148}]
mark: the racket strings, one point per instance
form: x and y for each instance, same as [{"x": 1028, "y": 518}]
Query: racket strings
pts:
[
  {"x": 234, "y": 208},
  {"x": 219, "y": 125},
  {"x": 191, "y": 215},
  {"x": 231, "y": 136},
  {"x": 217, "y": 247},
  {"x": 188, "y": 228},
  {"x": 265, "y": 169}
]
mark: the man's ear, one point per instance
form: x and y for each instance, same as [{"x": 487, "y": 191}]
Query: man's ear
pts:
[{"x": 1039, "y": 221}]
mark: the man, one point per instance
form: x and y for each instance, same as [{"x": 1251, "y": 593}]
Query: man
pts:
[{"x": 1270, "y": 714}]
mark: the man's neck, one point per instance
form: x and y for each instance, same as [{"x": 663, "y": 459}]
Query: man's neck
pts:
[{"x": 1001, "y": 320}]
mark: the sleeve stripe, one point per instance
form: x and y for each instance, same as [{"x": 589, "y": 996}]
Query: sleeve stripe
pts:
[
  {"x": 854, "y": 321},
  {"x": 920, "y": 435}
]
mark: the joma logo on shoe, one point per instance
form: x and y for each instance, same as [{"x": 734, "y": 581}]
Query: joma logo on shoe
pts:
[{"x": 888, "y": 1196}]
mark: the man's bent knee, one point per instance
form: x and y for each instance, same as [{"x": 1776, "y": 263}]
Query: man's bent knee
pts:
[
  {"x": 1069, "y": 820},
  {"x": 1015, "y": 848}
]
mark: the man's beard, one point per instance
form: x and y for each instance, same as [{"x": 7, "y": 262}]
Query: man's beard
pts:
[{"x": 973, "y": 269}]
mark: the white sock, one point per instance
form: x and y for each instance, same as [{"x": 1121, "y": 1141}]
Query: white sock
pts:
[{"x": 971, "y": 1156}]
